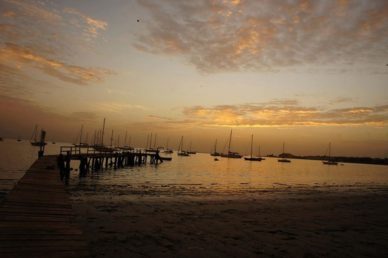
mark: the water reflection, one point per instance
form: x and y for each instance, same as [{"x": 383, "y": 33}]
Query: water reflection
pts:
[
  {"x": 200, "y": 174},
  {"x": 16, "y": 157}
]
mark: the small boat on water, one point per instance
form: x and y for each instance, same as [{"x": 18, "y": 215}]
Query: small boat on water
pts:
[
  {"x": 126, "y": 148},
  {"x": 166, "y": 158},
  {"x": 251, "y": 158},
  {"x": 284, "y": 160},
  {"x": 34, "y": 141},
  {"x": 190, "y": 151},
  {"x": 1, "y": 139},
  {"x": 167, "y": 150},
  {"x": 231, "y": 154},
  {"x": 329, "y": 160},
  {"x": 181, "y": 152},
  {"x": 215, "y": 153},
  {"x": 101, "y": 148}
]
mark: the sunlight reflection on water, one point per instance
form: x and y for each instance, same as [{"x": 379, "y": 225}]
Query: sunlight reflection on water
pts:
[
  {"x": 201, "y": 175},
  {"x": 197, "y": 174}
]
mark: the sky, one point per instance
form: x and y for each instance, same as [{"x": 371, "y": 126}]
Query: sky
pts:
[{"x": 301, "y": 72}]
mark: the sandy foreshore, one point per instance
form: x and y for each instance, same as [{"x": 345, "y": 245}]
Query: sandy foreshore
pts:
[{"x": 350, "y": 222}]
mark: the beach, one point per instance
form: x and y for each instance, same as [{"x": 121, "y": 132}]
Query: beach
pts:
[
  {"x": 286, "y": 222},
  {"x": 231, "y": 208}
]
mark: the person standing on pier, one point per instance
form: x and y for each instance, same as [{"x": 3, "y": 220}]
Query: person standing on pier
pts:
[{"x": 61, "y": 166}]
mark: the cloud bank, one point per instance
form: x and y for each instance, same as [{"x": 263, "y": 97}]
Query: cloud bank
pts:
[
  {"x": 217, "y": 36},
  {"x": 278, "y": 115},
  {"x": 42, "y": 36}
]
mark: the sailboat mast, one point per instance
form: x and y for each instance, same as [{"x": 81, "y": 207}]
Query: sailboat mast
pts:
[
  {"x": 180, "y": 144},
  {"x": 35, "y": 132},
  {"x": 102, "y": 133},
  {"x": 215, "y": 147},
  {"x": 80, "y": 135},
  {"x": 329, "y": 149},
  {"x": 33, "y": 136},
  {"x": 125, "y": 139},
  {"x": 251, "y": 144},
  {"x": 156, "y": 135},
  {"x": 111, "y": 139},
  {"x": 230, "y": 140},
  {"x": 283, "y": 147}
]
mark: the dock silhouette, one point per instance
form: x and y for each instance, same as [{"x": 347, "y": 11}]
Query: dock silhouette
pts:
[{"x": 36, "y": 217}]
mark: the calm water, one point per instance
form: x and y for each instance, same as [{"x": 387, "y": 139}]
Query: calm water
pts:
[
  {"x": 200, "y": 174},
  {"x": 197, "y": 174},
  {"x": 16, "y": 158}
]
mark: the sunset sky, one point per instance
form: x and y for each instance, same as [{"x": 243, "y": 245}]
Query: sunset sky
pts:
[{"x": 303, "y": 72}]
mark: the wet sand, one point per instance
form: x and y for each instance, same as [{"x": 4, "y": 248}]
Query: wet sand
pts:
[{"x": 349, "y": 222}]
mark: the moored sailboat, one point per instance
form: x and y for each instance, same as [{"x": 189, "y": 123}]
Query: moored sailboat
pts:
[
  {"x": 251, "y": 158},
  {"x": 167, "y": 150},
  {"x": 283, "y": 159},
  {"x": 215, "y": 153},
  {"x": 231, "y": 154},
  {"x": 34, "y": 141},
  {"x": 329, "y": 160},
  {"x": 191, "y": 151},
  {"x": 181, "y": 152}
]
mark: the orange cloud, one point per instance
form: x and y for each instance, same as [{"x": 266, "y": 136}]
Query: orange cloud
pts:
[
  {"x": 17, "y": 56},
  {"x": 34, "y": 9},
  {"x": 93, "y": 26},
  {"x": 267, "y": 115},
  {"x": 220, "y": 36}
]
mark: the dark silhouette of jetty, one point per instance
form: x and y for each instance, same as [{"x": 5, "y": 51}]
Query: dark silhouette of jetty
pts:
[
  {"x": 36, "y": 218},
  {"x": 93, "y": 158}
]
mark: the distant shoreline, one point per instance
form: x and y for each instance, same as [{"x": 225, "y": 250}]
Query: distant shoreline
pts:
[{"x": 359, "y": 160}]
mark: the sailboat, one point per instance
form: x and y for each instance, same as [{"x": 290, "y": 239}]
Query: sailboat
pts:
[
  {"x": 251, "y": 158},
  {"x": 181, "y": 152},
  {"x": 329, "y": 161},
  {"x": 81, "y": 144},
  {"x": 167, "y": 150},
  {"x": 231, "y": 154},
  {"x": 34, "y": 141},
  {"x": 259, "y": 154},
  {"x": 190, "y": 151},
  {"x": 215, "y": 153},
  {"x": 283, "y": 159}
]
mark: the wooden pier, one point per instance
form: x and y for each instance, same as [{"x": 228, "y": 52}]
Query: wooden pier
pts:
[
  {"x": 36, "y": 218},
  {"x": 93, "y": 159}
]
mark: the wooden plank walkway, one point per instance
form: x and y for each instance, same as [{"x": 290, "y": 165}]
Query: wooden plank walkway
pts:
[{"x": 36, "y": 218}]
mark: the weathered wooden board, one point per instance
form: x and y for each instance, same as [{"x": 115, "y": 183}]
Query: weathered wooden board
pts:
[{"x": 36, "y": 218}]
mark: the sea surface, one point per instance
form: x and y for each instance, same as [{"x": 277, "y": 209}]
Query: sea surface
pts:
[
  {"x": 197, "y": 175},
  {"x": 15, "y": 158}
]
